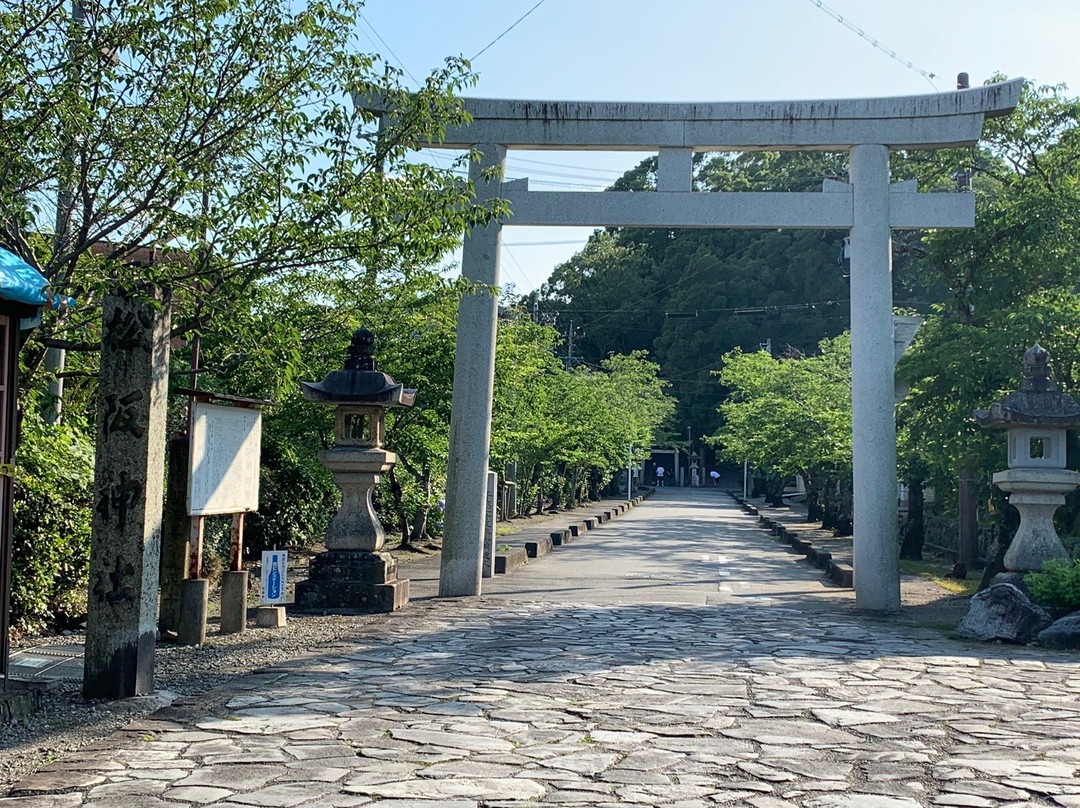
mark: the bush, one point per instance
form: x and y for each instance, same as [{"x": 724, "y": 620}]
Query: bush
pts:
[
  {"x": 51, "y": 539},
  {"x": 1056, "y": 587}
]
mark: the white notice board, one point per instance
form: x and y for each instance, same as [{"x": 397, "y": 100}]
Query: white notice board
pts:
[{"x": 223, "y": 474}]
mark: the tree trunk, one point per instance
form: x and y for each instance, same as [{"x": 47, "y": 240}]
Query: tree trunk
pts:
[
  {"x": 774, "y": 490},
  {"x": 420, "y": 519},
  {"x": 537, "y": 478},
  {"x": 556, "y": 489},
  {"x": 813, "y": 499},
  {"x": 911, "y": 544},
  {"x": 398, "y": 496},
  {"x": 968, "y": 510},
  {"x": 594, "y": 484}
]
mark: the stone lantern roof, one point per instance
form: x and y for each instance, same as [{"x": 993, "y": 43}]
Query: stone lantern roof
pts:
[
  {"x": 361, "y": 381},
  {"x": 1037, "y": 403}
]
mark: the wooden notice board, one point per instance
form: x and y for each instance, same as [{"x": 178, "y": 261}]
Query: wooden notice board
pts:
[{"x": 224, "y": 466}]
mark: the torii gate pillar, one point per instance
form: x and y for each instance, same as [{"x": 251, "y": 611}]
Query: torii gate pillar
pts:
[
  {"x": 474, "y": 375},
  {"x": 876, "y": 558}
]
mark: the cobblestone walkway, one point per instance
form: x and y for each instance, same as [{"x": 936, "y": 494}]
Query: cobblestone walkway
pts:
[{"x": 511, "y": 701}]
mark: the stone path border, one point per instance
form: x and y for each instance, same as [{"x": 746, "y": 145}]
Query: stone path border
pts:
[
  {"x": 533, "y": 543},
  {"x": 820, "y": 548}
]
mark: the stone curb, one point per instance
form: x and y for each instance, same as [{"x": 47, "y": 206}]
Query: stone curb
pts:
[
  {"x": 840, "y": 574},
  {"x": 540, "y": 546}
]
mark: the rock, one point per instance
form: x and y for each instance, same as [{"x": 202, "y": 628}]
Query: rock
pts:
[
  {"x": 1003, "y": 612},
  {"x": 1063, "y": 634}
]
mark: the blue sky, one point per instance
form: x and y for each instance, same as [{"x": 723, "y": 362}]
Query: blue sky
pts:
[{"x": 693, "y": 50}]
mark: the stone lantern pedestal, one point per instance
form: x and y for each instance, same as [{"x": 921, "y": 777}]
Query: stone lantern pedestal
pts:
[
  {"x": 354, "y": 574},
  {"x": 1036, "y": 494},
  {"x": 1036, "y": 418}
]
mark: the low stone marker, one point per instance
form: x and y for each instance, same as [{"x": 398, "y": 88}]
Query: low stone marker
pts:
[
  {"x": 560, "y": 537},
  {"x": 819, "y": 558},
  {"x": 510, "y": 560},
  {"x": 590, "y": 523},
  {"x": 270, "y": 617},
  {"x": 539, "y": 547},
  {"x": 578, "y": 529},
  {"x": 841, "y": 574}
]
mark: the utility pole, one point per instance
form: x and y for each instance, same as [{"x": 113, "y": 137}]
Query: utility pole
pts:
[{"x": 55, "y": 358}]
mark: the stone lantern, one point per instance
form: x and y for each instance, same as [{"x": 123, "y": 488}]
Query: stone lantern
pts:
[
  {"x": 354, "y": 573},
  {"x": 1036, "y": 418},
  {"x": 695, "y": 470}
]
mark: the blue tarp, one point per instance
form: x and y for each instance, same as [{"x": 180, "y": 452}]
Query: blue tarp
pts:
[{"x": 22, "y": 283}]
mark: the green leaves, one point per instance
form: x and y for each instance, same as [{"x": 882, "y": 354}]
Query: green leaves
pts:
[{"x": 791, "y": 415}]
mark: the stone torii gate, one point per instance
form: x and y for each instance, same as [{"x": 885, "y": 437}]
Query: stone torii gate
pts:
[{"x": 869, "y": 206}]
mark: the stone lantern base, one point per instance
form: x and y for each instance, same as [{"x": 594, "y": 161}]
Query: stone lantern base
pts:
[
  {"x": 1036, "y": 494},
  {"x": 354, "y": 580}
]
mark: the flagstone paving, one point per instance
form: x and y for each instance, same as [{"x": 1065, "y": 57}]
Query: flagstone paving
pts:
[{"x": 519, "y": 701}]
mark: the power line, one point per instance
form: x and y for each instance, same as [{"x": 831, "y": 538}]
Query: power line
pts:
[
  {"x": 543, "y": 243},
  {"x": 397, "y": 58},
  {"x": 545, "y": 163},
  {"x": 508, "y": 30},
  {"x": 874, "y": 43}
]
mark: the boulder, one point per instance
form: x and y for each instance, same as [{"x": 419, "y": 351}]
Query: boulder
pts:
[
  {"x": 1063, "y": 635},
  {"x": 1003, "y": 612}
]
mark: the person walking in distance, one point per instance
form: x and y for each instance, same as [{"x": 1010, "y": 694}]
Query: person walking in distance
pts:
[
  {"x": 715, "y": 477},
  {"x": 660, "y": 476}
]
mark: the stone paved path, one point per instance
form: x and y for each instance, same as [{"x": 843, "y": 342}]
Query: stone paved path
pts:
[{"x": 521, "y": 698}]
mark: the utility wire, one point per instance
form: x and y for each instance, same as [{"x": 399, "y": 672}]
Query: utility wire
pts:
[
  {"x": 507, "y": 31},
  {"x": 397, "y": 58},
  {"x": 874, "y": 43}
]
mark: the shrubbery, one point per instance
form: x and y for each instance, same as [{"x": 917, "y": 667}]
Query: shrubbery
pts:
[
  {"x": 53, "y": 511},
  {"x": 1056, "y": 587}
]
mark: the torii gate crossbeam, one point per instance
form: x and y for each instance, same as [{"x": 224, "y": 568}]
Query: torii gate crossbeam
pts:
[{"x": 867, "y": 128}]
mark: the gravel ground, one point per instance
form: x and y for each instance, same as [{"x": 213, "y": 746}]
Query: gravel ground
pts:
[{"x": 66, "y": 722}]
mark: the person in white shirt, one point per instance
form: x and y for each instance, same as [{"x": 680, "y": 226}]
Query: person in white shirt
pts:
[{"x": 660, "y": 475}]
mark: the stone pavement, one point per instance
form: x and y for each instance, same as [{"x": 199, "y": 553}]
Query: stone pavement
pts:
[{"x": 627, "y": 669}]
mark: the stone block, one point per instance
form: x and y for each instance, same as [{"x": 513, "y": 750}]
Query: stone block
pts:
[
  {"x": 590, "y": 522},
  {"x": 753, "y": 511},
  {"x": 765, "y": 522},
  {"x": 270, "y": 617},
  {"x": 800, "y": 545},
  {"x": 1063, "y": 634},
  {"x": 352, "y": 581},
  {"x": 578, "y": 529},
  {"x": 821, "y": 558},
  {"x": 234, "y": 589},
  {"x": 194, "y": 597},
  {"x": 510, "y": 560},
  {"x": 560, "y": 537},
  {"x": 1003, "y": 612},
  {"x": 790, "y": 536},
  {"x": 20, "y": 701},
  {"x": 841, "y": 574},
  {"x": 539, "y": 547}
]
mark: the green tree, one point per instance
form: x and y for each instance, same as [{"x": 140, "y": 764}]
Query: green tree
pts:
[{"x": 791, "y": 415}]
